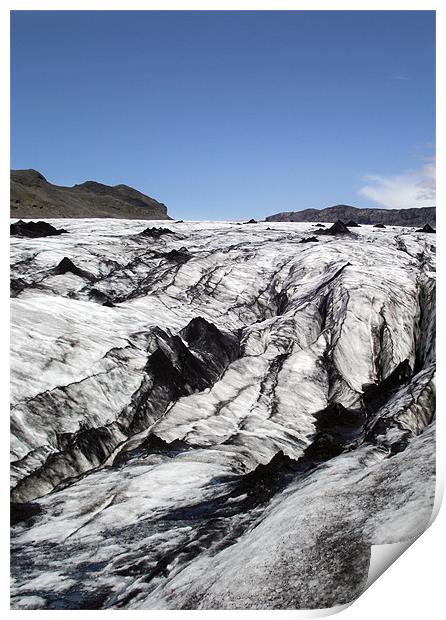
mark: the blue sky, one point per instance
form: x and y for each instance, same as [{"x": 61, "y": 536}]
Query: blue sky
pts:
[{"x": 225, "y": 115}]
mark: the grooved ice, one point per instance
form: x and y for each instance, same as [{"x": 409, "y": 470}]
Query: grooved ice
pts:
[{"x": 219, "y": 416}]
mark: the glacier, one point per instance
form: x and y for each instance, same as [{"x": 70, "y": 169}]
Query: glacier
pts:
[{"x": 215, "y": 415}]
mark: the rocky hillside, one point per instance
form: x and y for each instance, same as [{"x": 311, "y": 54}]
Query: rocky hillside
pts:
[
  {"x": 33, "y": 196},
  {"x": 390, "y": 217}
]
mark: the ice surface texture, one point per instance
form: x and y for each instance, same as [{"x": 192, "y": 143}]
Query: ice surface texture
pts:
[{"x": 216, "y": 417}]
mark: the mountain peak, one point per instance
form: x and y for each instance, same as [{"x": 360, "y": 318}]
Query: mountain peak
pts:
[
  {"x": 29, "y": 176},
  {"x": 33, "y": 196},
  {"x": 346, "y": 213}
]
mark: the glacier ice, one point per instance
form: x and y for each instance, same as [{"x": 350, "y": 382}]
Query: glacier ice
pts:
[{"x": 217, "y": 417}]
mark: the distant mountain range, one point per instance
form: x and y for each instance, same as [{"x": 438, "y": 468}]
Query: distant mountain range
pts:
[
  {"x": 395, "y": 217},
  {"x": 32, "y": 196}
]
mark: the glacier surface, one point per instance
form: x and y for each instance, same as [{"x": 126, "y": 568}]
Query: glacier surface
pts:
[{"x": 216, "y": 415}]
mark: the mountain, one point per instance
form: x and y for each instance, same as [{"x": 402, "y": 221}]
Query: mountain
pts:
[
  {"x": 219, "y": 416},
  {"x": 32, "y": 196},
  {"x": 395, "y": 217}
]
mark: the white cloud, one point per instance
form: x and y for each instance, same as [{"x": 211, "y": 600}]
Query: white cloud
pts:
[{"x": 415, "y": 188}]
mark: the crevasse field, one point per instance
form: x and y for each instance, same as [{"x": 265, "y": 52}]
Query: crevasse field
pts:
[{"x": 219, "y": 416}]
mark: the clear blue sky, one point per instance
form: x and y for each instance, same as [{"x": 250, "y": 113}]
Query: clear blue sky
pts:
[{"x": 227, "y": 114}]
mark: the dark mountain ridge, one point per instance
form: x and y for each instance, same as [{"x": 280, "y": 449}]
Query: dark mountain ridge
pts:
[
  {"x": 395, "y": 217},
  {"x": 33, "y": 196}
]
